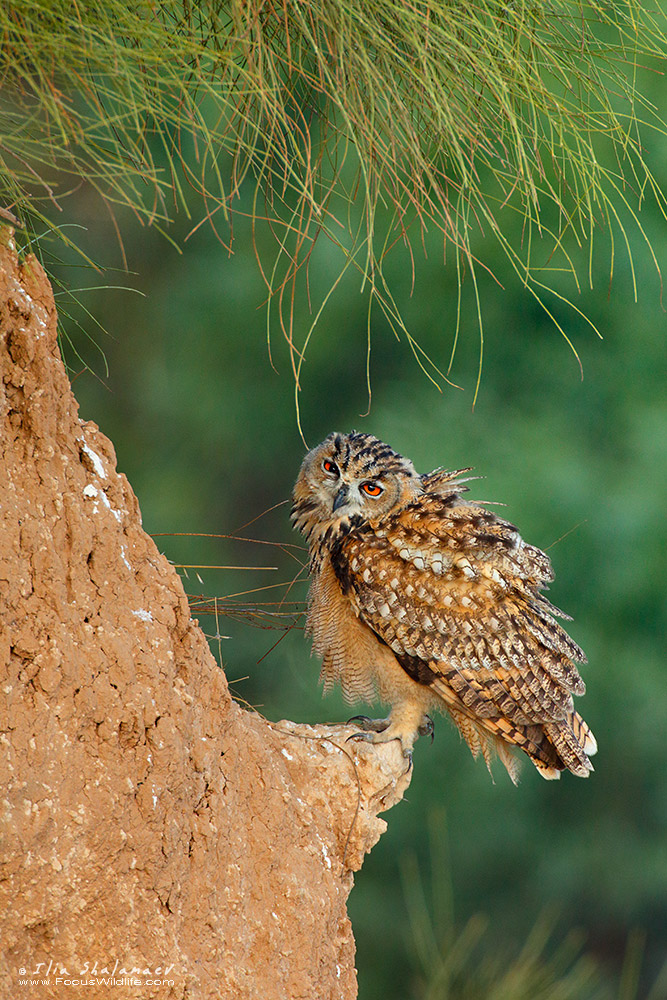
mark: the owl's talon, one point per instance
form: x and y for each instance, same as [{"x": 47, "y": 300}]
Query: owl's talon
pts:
[
  {"x": 426, "y": 727},
  {"x": 360, "y": 737},
  {"x": 369, "y": 725}
]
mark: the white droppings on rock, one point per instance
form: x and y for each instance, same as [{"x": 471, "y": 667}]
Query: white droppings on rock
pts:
[
  {"x": 19, "y": 295},
  {"x": 145, "y": 616},
  {"x": 325, "y": 854},
  {"x": 105, "y": 500},
  {"x": 95, "y": 460}
]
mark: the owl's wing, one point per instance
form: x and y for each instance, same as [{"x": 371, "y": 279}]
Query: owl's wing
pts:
[{"x": 454, "y": 591}]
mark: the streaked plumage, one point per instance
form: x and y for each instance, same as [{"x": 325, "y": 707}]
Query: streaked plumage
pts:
[{"x": 430, "y": 601}]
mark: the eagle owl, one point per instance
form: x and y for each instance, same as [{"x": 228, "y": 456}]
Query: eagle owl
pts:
[{"x": 430, "y": 601}]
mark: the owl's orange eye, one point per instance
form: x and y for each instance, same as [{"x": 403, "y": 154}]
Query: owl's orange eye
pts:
[
  {"x": 371, "y": 489},
  {"x": 330, "y": 467}
]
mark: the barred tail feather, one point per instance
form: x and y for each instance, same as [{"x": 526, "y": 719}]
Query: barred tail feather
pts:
[
  {"x": 547, "y": 772},
  {"x": 583, "y": 734},
  {"x": 569, "y": 747}
]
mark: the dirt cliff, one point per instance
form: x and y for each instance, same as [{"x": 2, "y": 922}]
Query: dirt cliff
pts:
[{"x": 156, "y": 840}]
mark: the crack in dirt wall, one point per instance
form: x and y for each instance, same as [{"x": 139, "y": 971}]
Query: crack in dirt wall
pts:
[{"x": 151, "y": 831}]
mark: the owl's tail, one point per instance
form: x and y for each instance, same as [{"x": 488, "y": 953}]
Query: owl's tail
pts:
[
  {"x": 565, "y": 745},
  {"x": 552, "y": 747}
]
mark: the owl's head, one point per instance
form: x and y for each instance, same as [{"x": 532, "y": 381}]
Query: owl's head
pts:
[{"x": 354, "y": 478}]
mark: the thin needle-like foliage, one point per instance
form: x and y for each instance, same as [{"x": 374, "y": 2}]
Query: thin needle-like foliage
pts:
[
  {"x": 372, "y": 123},
  {"x": 455, "y": 963}
]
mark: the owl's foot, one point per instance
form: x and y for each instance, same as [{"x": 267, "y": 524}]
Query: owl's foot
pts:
[
  {"x": 425, "y": 728},
  {"x": 376, "y": 731},
  {"x": 386, "y": 730}
]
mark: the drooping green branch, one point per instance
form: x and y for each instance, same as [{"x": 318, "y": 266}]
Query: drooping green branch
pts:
[{"x": 367, "y": 121}]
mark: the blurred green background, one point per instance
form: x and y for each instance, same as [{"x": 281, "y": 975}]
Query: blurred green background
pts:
[{"x": 204, "y": 427}]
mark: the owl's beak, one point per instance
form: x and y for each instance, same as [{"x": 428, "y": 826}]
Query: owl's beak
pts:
[{"x": 340, "y": 498}]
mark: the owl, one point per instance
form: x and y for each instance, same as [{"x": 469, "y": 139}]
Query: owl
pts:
[{"x": 429, "y": 602}]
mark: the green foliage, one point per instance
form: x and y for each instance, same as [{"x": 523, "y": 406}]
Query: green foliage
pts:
[{"x": 369, "y": 122}]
